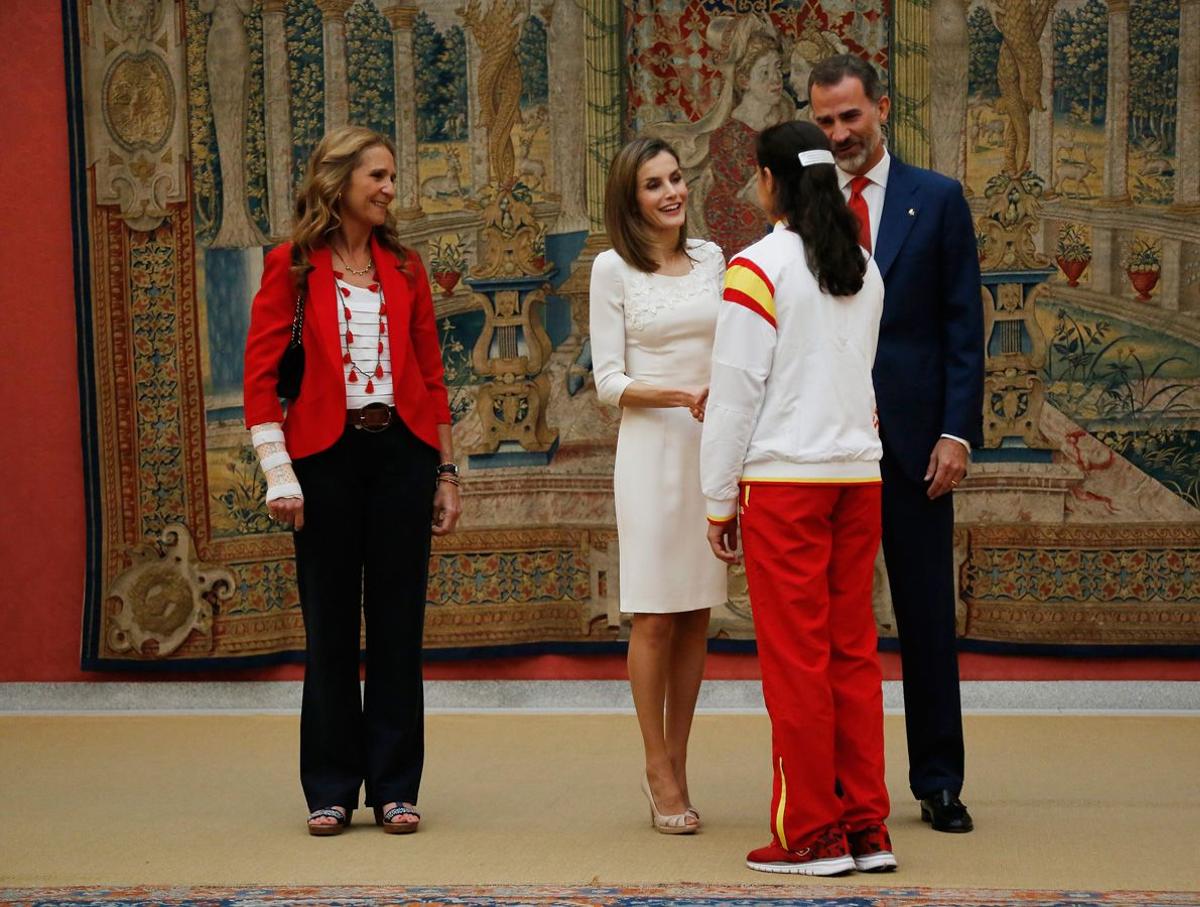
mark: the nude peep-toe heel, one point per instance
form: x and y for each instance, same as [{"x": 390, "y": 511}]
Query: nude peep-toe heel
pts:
[{"x": 667, "y": 825}]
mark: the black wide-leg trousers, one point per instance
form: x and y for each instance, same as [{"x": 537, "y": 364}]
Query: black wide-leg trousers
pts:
[
  {"x": 368, "y": 505},
  {"x": 918, "y": 547}
]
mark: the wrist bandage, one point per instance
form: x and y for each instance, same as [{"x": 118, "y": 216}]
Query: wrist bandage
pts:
[{"x": 275, "y": 462}]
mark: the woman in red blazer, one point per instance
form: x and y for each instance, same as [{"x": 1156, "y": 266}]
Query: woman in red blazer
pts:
[{"x": 360, "y": 466}]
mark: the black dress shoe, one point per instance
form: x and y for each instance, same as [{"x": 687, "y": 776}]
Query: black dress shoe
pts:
[{"x": 945, "y": 812}]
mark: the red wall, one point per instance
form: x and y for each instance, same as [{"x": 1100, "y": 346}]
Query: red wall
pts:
[
  {"x": 42, "y": 514},
  {"x": 41, "y": 520}
]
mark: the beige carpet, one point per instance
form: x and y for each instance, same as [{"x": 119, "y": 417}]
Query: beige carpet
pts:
[{"x": 1059, "y": 802}]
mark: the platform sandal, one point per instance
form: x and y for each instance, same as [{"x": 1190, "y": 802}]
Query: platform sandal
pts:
[
  {"x": 324, "y": 830},
  {"x": 387, "y": 819}
]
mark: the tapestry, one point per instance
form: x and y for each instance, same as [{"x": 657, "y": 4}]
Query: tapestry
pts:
[
  {"x": 1071, "y": 123},
  {"x": 797, "y": 894}
]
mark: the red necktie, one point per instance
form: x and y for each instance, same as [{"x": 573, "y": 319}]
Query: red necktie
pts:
[{"x": 858, "y": 205}]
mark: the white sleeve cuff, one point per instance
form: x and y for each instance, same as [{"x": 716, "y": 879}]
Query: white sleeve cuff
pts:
[
  {"x": 284, "y": 490},
  {"x": 721, "y": 511},
  {"x": 610, "y": 388},
  {"x": 965, "y": 443}
]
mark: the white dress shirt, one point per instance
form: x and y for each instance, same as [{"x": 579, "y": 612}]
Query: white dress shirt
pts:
[{"x": 873, "y": 194}]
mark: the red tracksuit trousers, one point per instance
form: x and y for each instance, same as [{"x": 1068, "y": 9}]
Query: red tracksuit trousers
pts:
[{"x": 810, "y": 554}]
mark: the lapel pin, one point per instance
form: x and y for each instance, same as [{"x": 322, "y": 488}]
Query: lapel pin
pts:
[{"x": 912, "y": 212}]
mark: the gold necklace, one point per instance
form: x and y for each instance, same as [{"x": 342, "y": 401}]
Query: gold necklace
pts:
[{"x": 360, "y": 272}]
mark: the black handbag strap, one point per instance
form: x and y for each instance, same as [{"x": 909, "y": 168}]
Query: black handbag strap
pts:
[{"x": 298, "y": 321}]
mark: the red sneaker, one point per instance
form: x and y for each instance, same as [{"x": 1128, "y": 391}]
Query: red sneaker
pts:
[
  {"x": 871, "y": 848},
  {"x": 827, "y": 854}
]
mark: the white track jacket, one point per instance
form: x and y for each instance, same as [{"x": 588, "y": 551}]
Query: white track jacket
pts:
[{"x": 791, "y": 398}]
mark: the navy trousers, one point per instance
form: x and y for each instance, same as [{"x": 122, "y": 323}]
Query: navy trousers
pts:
[
  {"x": 364, "y": 549},
  {"x": 918, "y": 546}
]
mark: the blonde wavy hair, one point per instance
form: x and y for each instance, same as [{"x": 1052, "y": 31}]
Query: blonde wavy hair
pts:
[{"x": 327, "y": 176}]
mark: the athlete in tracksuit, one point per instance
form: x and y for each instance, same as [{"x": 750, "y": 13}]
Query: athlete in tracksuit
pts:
[{"x": 791, "y": 452}]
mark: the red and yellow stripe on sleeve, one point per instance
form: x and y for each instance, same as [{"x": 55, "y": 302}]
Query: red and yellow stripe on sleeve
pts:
[{"x": 747, "y": 285}]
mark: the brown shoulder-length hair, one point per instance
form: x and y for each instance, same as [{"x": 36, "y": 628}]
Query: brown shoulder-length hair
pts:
[
  {"x": 627, "y": 230},
  {"x": 319, "y": 196}
]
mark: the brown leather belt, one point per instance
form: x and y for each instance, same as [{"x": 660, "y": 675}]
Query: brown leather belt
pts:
[{"x": 372, "y": 417}]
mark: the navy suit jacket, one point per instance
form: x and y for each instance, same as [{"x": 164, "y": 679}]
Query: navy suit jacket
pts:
[{"x": 929, "y": 364}]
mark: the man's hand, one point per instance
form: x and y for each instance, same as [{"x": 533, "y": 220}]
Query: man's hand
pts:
[
  {"x": 947, "y": 466},
  {"x": 697, "y": 406},
  {"x": 723, "y": 539}
]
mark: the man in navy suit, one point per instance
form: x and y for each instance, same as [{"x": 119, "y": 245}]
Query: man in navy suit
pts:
[{"x": 929, "y": 391}]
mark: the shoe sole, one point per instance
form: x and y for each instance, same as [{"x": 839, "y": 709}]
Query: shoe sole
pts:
[
  {"x": 926, "y": 817},
  {"x": 400, "y": 828},
  {"x": 876, "y": 862},
  {"x": 829, "y": 867},
  {"x": 325, "y": 831},
  {"x": 668, "y": 830}
]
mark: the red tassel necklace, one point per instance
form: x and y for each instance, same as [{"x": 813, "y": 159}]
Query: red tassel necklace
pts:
[{"x": 348, "y": 337}]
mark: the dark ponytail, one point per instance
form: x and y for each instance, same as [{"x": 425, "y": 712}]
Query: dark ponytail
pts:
[{"x": 811, "y": 202}]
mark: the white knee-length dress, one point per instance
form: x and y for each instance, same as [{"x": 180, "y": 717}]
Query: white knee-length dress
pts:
[{"x": 659, "y": 330}]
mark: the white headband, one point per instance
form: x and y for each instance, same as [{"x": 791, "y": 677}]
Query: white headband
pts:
[{"x": 816, "y": 156}]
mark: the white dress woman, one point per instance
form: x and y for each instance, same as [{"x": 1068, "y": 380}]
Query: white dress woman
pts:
[
  {"x": 654, "y": 301},
  {"x": 658, "y": 329}
]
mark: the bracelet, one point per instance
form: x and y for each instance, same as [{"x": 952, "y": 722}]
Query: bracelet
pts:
[{"x": 452, "y": 479}]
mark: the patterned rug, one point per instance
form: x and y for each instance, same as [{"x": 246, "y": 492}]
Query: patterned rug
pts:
[{"x": 792, "y": 892}]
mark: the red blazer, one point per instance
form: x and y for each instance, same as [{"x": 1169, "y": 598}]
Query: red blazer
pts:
[{"x": 317, "y": 418}]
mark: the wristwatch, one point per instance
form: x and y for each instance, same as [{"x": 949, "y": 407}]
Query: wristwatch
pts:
[{"x": 447, "y": 469}]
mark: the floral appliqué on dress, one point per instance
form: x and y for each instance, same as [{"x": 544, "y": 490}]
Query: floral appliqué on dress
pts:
[{"x": 647, "y": 296}]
